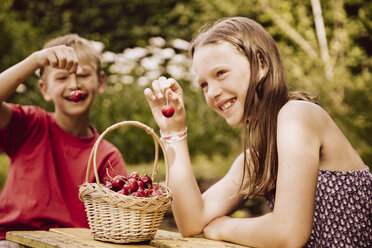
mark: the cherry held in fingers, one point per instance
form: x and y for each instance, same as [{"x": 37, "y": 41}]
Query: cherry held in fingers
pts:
[
  {"x": 76, "y": 95},
  {"x": 167, "y": 111}
]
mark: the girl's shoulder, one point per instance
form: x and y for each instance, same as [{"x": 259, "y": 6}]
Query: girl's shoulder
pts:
[
  {"x": 303, "y": 111},
  {"x": 304, "y": 115},
  {"x": 301, "y": 106}
]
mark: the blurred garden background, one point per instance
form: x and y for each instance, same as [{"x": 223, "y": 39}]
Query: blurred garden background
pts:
[{"x": 325, "y": 46}]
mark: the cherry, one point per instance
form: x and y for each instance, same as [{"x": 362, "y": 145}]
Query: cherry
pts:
[
  {"x": 146, "y": 181},
  {"x": 154, "y": 188},
  {"x": 142, "y": 192},
  {"x": 76, "y": 95},
  {"x": 167, "y": 110},
  {"x": 134, "y": 175},
  {"x": 124, "y": 178},
  {"x": 123, "y": 191},
  {"x": 155, "y": 191},
  {"x": 109, "y": 184},
  {"x": 117, "y": 183},
  {"x": 147, "y": 192},
  {"x": 141, "y": 184},
  {"x": 126, "y": 187},
  {"x": 137, "y": 194},
  {"x": 133, "y": 184}
]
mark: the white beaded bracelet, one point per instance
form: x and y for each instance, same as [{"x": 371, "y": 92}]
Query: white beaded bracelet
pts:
[{"x": 174, "y": 138}]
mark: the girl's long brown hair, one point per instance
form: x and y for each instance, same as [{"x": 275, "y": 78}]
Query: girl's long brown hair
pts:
[{"x": 264, "y": 98}]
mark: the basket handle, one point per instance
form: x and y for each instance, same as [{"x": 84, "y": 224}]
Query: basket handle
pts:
[{"x": 93, "y": 153}]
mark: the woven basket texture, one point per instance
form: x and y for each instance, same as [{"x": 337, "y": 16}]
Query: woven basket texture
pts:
[{"x": 118, "y": 218}]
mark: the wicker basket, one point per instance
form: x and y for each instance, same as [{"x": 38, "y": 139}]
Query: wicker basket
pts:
[{"x": 119, "y": 218}]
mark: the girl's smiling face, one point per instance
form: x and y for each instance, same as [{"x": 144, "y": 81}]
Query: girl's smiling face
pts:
[{"x": 223, "y": 73}]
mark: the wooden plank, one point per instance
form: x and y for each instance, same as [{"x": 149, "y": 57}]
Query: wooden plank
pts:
[
  {"x": 167, "y": 239},
  {"x": 81, "y": 237},
  {"x": 52, "y": 239},
  {"x": 84, "y": 234},
  {"x": 42, "y": 239},
  {"x": 163, "y": 239}
]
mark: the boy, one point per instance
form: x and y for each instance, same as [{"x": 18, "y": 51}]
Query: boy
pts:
[{"x": 49, "y": 151}]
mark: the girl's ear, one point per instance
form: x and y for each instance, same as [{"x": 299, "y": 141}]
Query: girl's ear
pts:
[
  {"x": 101, "y": 83},
  {"x": 44, "y": 90},
  {"x": 263, "y": 67}
]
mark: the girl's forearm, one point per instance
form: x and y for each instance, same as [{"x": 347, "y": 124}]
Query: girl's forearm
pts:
[
  {"x": 187, "y": 203},
  {"x": 11, "y": 78},
  {"x": 264, "y": 231}
]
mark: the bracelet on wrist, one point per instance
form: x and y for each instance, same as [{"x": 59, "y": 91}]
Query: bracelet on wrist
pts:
[{"x": 174, "y": 138}]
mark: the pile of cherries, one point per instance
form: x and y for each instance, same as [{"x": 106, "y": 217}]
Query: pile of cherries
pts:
[{"x": 134, "y": 185}]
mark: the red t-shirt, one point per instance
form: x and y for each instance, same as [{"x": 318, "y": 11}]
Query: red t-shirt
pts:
[{"x": 47, "y": 165}]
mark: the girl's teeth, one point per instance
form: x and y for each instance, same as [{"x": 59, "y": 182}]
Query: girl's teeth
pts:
[{"x": 227, "y": 105}]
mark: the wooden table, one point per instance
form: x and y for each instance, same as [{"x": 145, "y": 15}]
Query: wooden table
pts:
[{"x": 81, "y": 237}]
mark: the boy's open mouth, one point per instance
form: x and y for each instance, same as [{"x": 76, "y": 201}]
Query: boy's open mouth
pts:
[{"x": 81, "y": 98}]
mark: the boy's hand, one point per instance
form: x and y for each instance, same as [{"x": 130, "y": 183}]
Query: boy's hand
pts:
[
  {"x": 163, "y": 88},
  {"x": 61, "y": 57}
]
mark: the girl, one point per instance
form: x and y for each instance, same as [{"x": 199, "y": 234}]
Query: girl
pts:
[{"x": 317, "y": 186}]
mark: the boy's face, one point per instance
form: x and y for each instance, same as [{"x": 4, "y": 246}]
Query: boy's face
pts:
[{"x": 57, "y": 85}]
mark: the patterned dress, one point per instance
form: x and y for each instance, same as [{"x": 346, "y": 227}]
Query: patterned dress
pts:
[{"x": 343, "y": 210}]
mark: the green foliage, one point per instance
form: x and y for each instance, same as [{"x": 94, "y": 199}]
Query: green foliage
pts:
[
  {"x": 119, "y": 25},
  {"x": 130, "y": 73},
  {"x": 4, "y": 164}
]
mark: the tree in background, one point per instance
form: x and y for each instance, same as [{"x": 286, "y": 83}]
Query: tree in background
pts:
[{"x": 325, "y": 48}]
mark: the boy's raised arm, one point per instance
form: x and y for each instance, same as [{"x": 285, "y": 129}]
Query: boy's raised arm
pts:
[
  {"x": 10, "y": 79},
  {"x": 15, "y": 75},
  {"x": 62, "y": 57}
]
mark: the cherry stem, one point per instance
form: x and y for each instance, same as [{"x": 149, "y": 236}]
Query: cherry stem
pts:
[
  {"x": 108, "y": 173},
  {"x": 166, "y": 97},
  {"x": 114, "y": 171}
]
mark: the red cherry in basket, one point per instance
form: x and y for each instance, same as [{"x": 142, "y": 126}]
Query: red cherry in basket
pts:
[
  {"x": 155, "y": 191},
  {"x": 134, "y": 175},
  {"x": 123, "y": 178},
  {"x": 109, "y": 185},
  {"x": 133, "y": 184},
  {"x": 137, "y": 194},
  {"x": 147, "y": 181},
  {"x": 141, "y": 192},
  {"x": 117, "y": 183},
  {"x": 167, "y": 110},
  {"x": 147, "y": 192},
  {"x": 123, "y": 191},
  {"x": 140, "y": 185},
  {"x": 126, "y": 187},
  {"x": 154, "y": 187},
  {"x": 76, "y": 95}
]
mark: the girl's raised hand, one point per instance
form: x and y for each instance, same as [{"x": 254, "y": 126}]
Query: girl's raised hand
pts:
[
  {"x": 61, "y": 57},
  {"x": 163, "y": 89}
]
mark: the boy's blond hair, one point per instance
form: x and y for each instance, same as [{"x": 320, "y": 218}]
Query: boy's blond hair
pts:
[{"x": 83, "y": 48}]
